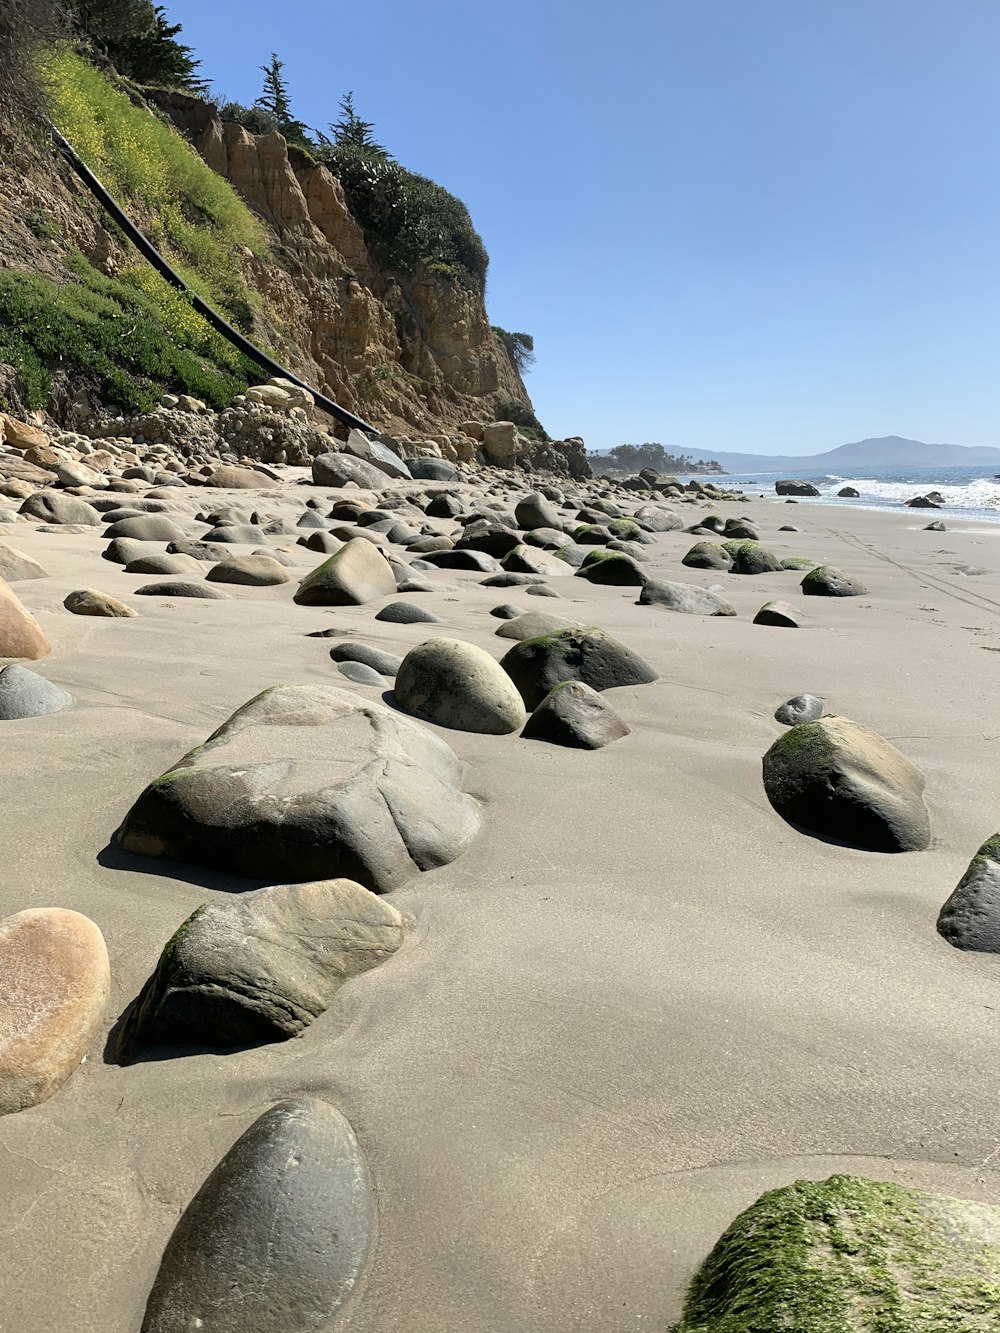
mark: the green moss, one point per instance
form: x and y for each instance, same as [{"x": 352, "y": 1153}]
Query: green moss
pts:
[
  {"x": 599, "y": 556},
  {"x": 990, "y": 850},
  {"x": 806, "y": 738},
  {"x": 797, "y": 562},
  {"x": 849, "y": 1255},
  {"x": 817, "y": 575}
]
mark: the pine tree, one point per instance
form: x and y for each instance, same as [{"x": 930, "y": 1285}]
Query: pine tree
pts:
[
  {"x": 351, "y": 131},
  {"x": 276, "y": 100}
]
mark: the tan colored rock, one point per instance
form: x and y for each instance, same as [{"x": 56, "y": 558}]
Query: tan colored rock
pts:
[
  {"x": 16, "y": 489},
  {"x": 16, "y": 565},
  {"x": 20, "y": 633},
  {"x": 43, "y": 456},
  {"x": 21, "y": 435},
  {"x": 500, "y": 441},
  {"x": 87, "y": 602},
  {"x": 234, "y": 478},
  {"x": 79, "y": 474},
  {"x": 54, "y": 979}
]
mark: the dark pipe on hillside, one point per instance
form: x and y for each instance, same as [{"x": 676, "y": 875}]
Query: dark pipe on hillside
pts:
[{"x": 145, "y": 246}]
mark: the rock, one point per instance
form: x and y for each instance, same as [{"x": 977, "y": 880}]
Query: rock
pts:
[
  {"x": 849, "y": 1255},
  {"x": 825, "y": 581},
  {"x": 507, "y": 611},
  {"x": 309, "y": 782},
  {"x": 657, "y": 520},
  {"x": 157, "y": 562},
  {"x": 500, "y": 441},
  {"x": 444, "y": 506},
  {"x": 970, "y": 919},
  {"x": 240, "y": 479},
  {"x": 535, "y": 511},
  {"x": 495, "y": 538},
  {"x": 575, "y": 715},
  {"x": 339, "y": 469},
  {"x": 147, "y": 528},
  {"x": 532, "y": 624},
  {"x": 797, "y": 562},
  {"x": 934, "y": 526},
  {"x": 276, "y": 1238},
  {"x": 465, "y": 559},
  {"x": 407, "y": 613},
  {"x": 685, "y": 597},
  {"x": 848, "y": 493},
  {"x": 779, "y": 613},
  {"x": 551, "y": 539},
  {"x": 235, "y": 534},
  {"x": 458, "y": 685},
  {"x": 209, "y": 552},
  {"x": 841, "y": 780},
  {"x": 540, "y": 590},
  {"x": 611, "y": 567},
  {"x": 355, "y": 574},
  {"x": 377, "y": 659},
  {"x": 21, "y": 435},
  {"x": 25, "y": 694},
  {"x": 802, "y": 708},
  {"x": 15, "y": 565},
  {"x": 740, "y": 528},
  {"x": 56, "y": 978},
  {"x": 78, "y": 474},
  {"x": 378, "y": 454},
  {"x": 795, "y": 488},
  {"x": 922, "y": 502},
  {"x": 260, "y": 966},
  {"x": 588, "y": 654},
  {"x": 181, "y": 588},
  {"x": 58, "y": 507},
  {"x": 256, "y": 571},
  {"x": 433, "y": 469},
  {"x": 362, "y": 675},
  {"x": 532, "y": 560},
  {"x": 707, "y": 555},
  {"x": 20, "y": 633},
  {"x": 750, "y": 557},
  {"x": 87, "y": 602}
]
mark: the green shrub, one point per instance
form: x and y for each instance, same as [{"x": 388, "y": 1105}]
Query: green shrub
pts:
[
  {"x": 196, "y": 216},
  {"x": 135, "y": 336}
]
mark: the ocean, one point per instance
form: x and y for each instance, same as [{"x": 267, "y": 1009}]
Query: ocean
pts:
[{"x": 969, "y": 492}]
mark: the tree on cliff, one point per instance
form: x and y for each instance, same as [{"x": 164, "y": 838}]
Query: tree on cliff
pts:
[
  {"x": 276, "y": 100},
  {"x": 137, "y": 38},
  {"x": 351, "y": 131},
  {"x": 520, "y": 347},
  {"x": 26, "y": 26}
]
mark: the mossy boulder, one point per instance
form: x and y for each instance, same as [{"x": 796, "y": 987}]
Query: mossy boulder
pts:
[
  {"x": 591, "y": 534},
  {"x": 970, "y": 919},
  {"x": 797, "y": 562},
  {"x": 707, "y": 555},
  {"x": 611, "y": 567},
  {"x": 849, "y": 1255},
  {"x": 839, "y": 779},
  {"x": 589, "y": 654},
  {"x": 574, "y": 715},
  {"x": 750, "y": 557},
  {"x": 356, "y": 574},
  {"x": 825, "y": 581}
]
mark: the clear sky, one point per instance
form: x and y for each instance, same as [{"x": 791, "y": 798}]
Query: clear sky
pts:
[{"x": 755, "y": 225}]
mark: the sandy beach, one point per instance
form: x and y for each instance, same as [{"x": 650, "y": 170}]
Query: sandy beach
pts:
[{"x": 637, "y": 1000}]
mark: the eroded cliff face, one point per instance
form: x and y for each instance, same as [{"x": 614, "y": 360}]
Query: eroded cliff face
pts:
[{"x": 408, "y": 351}]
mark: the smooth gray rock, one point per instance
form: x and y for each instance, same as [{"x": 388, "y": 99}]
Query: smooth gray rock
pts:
[
  {"x": 339, "y": 469},
  {"x": 507, "y": 611},
  {"x": 362, "y": 675},
  {"x": 532, "y": 624},
  {"x": 378, "y": 454},
  {"x": 463, "y": 559},
  {"x": 588, "y": 654},
  {"x": 407, "y": 613},
  {"x": 575, "y": 715},
  {"x": 235, "y": 534},
  {"x": 253, "y": 571},
  {"x": 839, "y": 779},
  {"x": 182, "y": 588},
  {"x": 277, "y": 1236},
  {"x": 782, "y": 614},
  {"x": 206, "y": 552},
  {"x": 123, "y": 550},
  {"x": 310, "y": 782},
  {"x": 535, "y": 511},
  {"x": 25, "y": 694},
  {"x": 802, "y": 708},
  {"x": 457, "y": 685},
  {"x": 355, "y": 574},
  {"x": 688, "y": 598},
  {"x": 654, "y": 519},
  {"x": 259, "y": 966},
  {"x": 612, "y": 567},
  {"x": 707, "y": 555},
  {"x": 825, "y": 581},
  {"x": 533, "y": 560},
  {"x": 15, "y": 565},
  {"x": 385, "y": 663},
  {"x": 433, "y": 469},
  {"x": 57, "y": 507},
  {"x": 158, "y": 562},
  {"x": 970, "y": 919},
  {"x": 147, "y": 528}
]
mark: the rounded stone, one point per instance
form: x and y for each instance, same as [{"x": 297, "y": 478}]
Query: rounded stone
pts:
[
  {"x": 25, "y": 694},
  {"x": 89, "y": 602},
  {"x": 458, "y": 685},
  {"x": 256, "y": 571},
  {"x": 407, "y": 613},
  {"x": 803, "y": 708}
]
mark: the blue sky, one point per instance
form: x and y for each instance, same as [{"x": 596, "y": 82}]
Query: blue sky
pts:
[{"x": 755, "y": 225}]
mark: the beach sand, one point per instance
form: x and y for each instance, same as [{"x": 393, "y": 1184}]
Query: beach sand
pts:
[{"x": 638, "y": 999}]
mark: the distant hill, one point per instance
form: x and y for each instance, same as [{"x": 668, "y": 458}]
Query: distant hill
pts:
[{"x": 887, "y": 451}]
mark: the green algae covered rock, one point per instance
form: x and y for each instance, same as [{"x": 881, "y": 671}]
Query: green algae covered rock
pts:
[{"x": 849, "y": 1255}]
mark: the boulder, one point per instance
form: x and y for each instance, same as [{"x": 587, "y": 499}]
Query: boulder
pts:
[
  {"x": 532, "y": 624},
  {"x": 463, "y": 559},
  {"x": 849, "y": 1255},
  {"x": 78, "y": 474},
  {"x": 25, "y": 694},
  {"x": 309, "y": 782},
  {"x": 355, "y": 574},
  {"x": 684, "y": 597},
  {"x": 20, "y": 633},
  {"x": 385, "y": 663},
  {"x": 611, "y": 567},
  {"x": 56, "y": 978},
  {"x": 457, "y": 685},
  {"x": 532, "y": 560},
  {"x": 848, "y": 493},
  {"x": 362, "y": 675},
  {"x": 922, "y": 502},
  {"x": 802, "y": 708},
  {"x": 147, "y": 528},
  {"x": 825, "y": 581},
  {"x": 259, "y": 966},
  {"x": 378, "y": 454},
  {"x": 57, "y": 507},
  {"x": 749, "y": 557},
  {"x": 654, "y": 519},
  {"x": 255, "y": 571},
  {"x": 433, "y": 469},
  {"x": 88, "y": 602},
  {"x": 500, "y": 442},
  {"x": 707, "y": 555},
  {"x": 795, "y": 488},
  {"x": 181, "y": 588},
  {"x": 407, "y": 613},
  {"x": 339, "y": 469},
  {"x": 535, "y": 511},
  {"x": 15, "y": 565},
  {"x": 158, "y": 562},
  {"x": 22, "y": 435},
  {"x": 779, "y": 613},
  {"x": 837, "y": 778},
  {"x": 575, "y": 715},
  {"x": 276, "y": 1238},
  {"x": 589, "y": 654},
  {"x": 970, "y": 919}
]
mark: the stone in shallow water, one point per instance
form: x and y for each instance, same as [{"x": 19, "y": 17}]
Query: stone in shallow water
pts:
[
  {"x": 277, "y": 1236},
  {"x": 260, "y": 966},
  {"x": 849, "y": 1255},
  {"x": 839, "y": 779},
  {"x": 970, "y": 919},
  {"x": 25, "y": 694},
  {"x": 310, "y": 782},
  {"x": 54, "y": 979}
]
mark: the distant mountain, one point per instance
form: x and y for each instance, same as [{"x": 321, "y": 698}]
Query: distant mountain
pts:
[{"x": 887, "y": 451}]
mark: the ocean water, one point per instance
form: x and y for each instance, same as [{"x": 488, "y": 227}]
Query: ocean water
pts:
[{"x": 969, "y": 493}]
